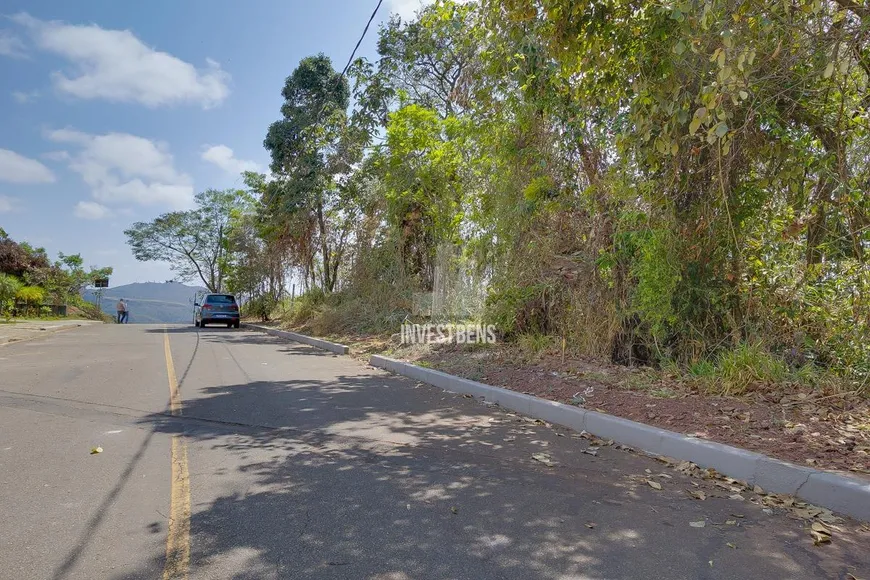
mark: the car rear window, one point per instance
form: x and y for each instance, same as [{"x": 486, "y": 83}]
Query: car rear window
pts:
[{"x": 220, "y": 299}]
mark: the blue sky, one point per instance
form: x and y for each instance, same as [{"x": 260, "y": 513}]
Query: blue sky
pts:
[{"x": 114, "y": 112}]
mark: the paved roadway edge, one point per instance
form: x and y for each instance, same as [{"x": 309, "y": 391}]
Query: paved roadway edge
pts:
[
  {"x": 840, "y": 493},
  {"x": 316, "y": 342},
  {"x": 48, "y": 332},
  {"x": 837, "y": 492}
]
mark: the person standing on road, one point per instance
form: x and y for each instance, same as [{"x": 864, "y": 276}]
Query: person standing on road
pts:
[
  {"x": 121, "y": 307},
  {"x": 126, "y": 312}
]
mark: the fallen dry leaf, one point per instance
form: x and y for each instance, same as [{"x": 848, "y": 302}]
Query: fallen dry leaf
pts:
[
  {"x": 654, "y": 484},
  {"x": 819, "y": 527},
  {"x": 95, "y": 450},
  {"x": 543, "y": 458},
  {"x": 698, "y": 494},
  {"x": 820, "y": 534},
  {"x": 454, "y": 509},
  {"x": 700, "y": 524},
  {"x": 737, "y": 497},
  {"x": 732, "y": 546},
  {"x": 829, "y": 518},
  {"x": 806, "y": 513},
  {"x": 819, "y": 539},
  {"x": 730, "y": 522},
  {"x": 590, "y": 525}
]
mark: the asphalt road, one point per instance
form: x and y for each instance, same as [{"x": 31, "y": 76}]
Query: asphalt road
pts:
[{"x": 251, "y": 457}]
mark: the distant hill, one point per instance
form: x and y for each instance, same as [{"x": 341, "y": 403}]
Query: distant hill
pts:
[{"x": 151, "y": 302}]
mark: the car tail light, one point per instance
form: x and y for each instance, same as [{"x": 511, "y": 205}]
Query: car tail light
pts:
[
  {"x": 234, "y": 307},
  {"x": 206, "y": 306}
]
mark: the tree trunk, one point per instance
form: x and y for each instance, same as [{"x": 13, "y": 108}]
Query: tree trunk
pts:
[
  {"x": 220, "y": 267},
  {"x": 326, "y": 275}
]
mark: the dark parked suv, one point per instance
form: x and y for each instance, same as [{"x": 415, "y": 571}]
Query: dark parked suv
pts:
[{"x": 216, "y": 309}]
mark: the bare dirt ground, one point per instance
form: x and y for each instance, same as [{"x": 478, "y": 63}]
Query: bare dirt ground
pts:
[{"x": 826, "y": 431}]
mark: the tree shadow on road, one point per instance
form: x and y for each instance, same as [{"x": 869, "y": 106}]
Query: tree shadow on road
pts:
[
  {"x": 232, "y": 336},
  {"x": 370, "y": 476}
]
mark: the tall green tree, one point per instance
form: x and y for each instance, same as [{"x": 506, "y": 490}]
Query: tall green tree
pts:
[
  {"x": 9, "y": 287},
  {"x": 423, "y": 175},
  {"x": 431, "y": 58},
  {"x": 649, "y": 181},
  {"x": 313, "y": 148},
  {"x": 193, "y": 242}
]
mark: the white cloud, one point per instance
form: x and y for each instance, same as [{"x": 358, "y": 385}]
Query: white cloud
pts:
[
  {"x": 223, "y": 157},
  {"x": 122, "y": 168},
  {"x": 25, "y": 96},
  {"x": 407, "y": 8},
  {"x": 56, "y": 155},
  {"x": 19, "y": 169},
  {"x": 116, "y": 66},
  {"x": 11, "y": 45},
  {"x": 91, "y": 210},
  {"x": 8, "y": 204}
]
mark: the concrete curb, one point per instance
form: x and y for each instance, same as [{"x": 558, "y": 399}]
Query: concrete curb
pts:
[
  {"x": 316, "y": 342},
  {"x": 836, "y": 492},
  {"x": 44, "y": 332}
]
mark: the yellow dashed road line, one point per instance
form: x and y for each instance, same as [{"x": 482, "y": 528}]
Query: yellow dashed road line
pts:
[{"x": 178, "y": 538}]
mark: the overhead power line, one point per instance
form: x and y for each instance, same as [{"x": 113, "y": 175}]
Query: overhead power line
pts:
[{"x": 358, "y": 42}]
